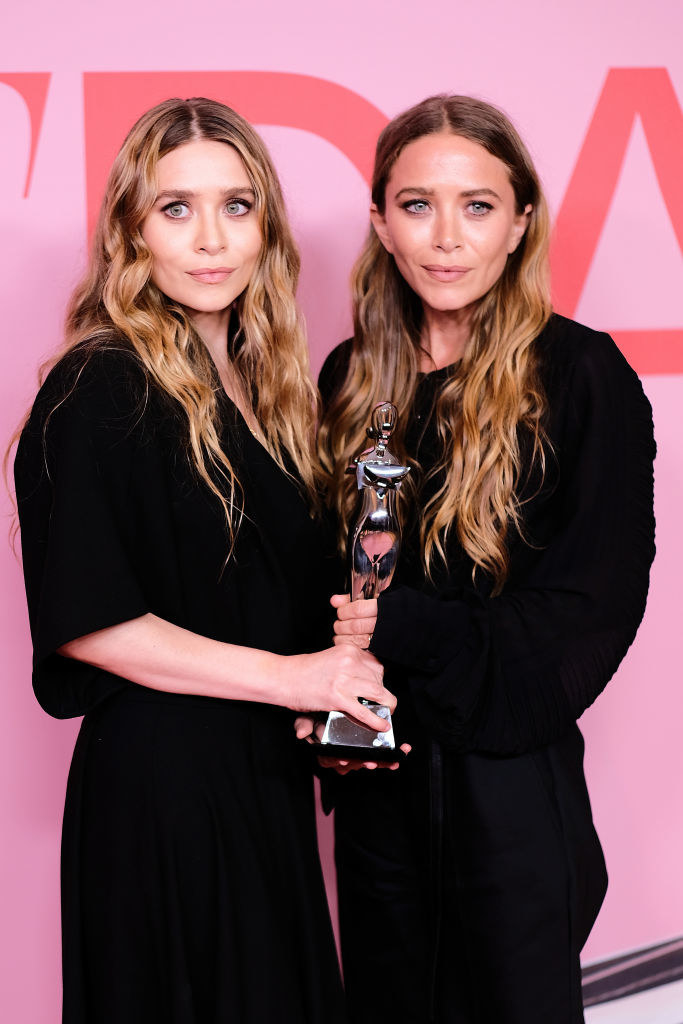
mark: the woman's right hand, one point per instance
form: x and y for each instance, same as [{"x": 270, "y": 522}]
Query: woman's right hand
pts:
[{"x": 333, "y": 680}]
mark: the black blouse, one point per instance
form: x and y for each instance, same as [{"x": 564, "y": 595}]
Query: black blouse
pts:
[
  {"x": 510, "y": 673},
  {"x": 116, "y": 523}
]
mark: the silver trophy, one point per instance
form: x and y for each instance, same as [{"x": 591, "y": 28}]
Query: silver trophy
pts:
[{"x": 374, "y": 554}]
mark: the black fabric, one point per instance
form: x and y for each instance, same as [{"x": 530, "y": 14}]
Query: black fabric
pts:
[
  {"x": 498, "y": 683},
  {"x": 191, "y": 887}
]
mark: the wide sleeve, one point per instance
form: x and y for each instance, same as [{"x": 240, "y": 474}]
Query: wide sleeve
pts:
[
  {"x": 72, "y": 471},
  {"x": 511, "y": 673}
]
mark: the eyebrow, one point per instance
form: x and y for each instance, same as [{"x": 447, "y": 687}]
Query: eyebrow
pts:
[
  {"x": 467, "y": 194},
  {"x": 187, "y": 193}
]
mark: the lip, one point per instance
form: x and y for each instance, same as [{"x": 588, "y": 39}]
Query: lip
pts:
[
  {"x": 447, "y": 274},
  {"x": 211, "y": 275}
]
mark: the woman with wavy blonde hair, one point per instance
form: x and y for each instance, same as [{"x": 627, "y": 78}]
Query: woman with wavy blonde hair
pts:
[
  {"x": 470, "y": 878},
  {"x": 175, "y": 574}
]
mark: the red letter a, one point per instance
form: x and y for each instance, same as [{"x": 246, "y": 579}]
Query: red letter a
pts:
[{"x": 626, "y": 93}]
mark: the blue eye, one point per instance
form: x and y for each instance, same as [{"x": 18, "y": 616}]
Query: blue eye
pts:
[
  {"x": 479, "y": 208},
  {"x": 238, "y": 207},
  {"x": 416, "y": 206},
  {"x": 176, "y": 211}
]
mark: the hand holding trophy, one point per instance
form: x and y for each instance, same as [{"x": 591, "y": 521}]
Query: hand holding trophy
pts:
[{"x": 374, "y": 554}]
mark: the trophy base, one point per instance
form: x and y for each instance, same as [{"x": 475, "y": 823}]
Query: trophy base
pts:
[
  {"x": 382, "y": 755},
  {"x": 348, "y": 740}
]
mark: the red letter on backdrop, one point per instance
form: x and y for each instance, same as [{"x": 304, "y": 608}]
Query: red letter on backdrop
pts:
[
  {"x": 32, "y": 87},
  {"x": 113, "y": 101},
  {"x": 626, "y": 93}
]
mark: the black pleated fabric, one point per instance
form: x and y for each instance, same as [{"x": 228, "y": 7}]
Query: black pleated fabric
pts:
[
  {"x": 191, "y": 886},
  {"x": 498, "y": 684}
]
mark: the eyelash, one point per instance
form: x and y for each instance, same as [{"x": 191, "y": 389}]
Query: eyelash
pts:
[
  {"x": 414, "y": 202},
  {"x": 241, "y": 202},
  {"x": 169, "y": 206},
  {"x": 474, "y": 202},
  {"x": 247, "y": 206},
  {"x": 480, "y": 202}
]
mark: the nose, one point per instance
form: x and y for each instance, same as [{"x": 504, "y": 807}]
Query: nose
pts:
[
  {"x": 446, "y": 232},
  {"x": 211, "y": 236}
]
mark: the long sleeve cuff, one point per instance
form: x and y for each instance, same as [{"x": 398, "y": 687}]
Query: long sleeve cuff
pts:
[{"x": 418, "y": 632}]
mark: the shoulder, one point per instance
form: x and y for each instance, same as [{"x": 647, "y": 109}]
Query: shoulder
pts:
[
  {"x": 334, "y": 370},
  {"x": 101, "y": 383},
  {"x": 590, "y": 386},
  {"x": 581, "y": 364},
  {"x": 569, "y": 349},
  {"x": 94, "y": 398},
  {"x": 95, "y": 376}
]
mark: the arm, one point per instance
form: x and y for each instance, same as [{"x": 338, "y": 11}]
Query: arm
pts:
[
  {"x": 91, "y": 432},
  {"x": 507, "y": 674},
  {"x": 153, "y": 652}
]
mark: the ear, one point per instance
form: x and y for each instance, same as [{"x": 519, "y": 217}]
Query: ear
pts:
[
  {"x": 519, "y": 226},
  {"x": 379, "y": 223}
]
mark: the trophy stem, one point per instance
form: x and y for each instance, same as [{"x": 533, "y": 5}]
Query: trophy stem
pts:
[{"x": 374, "y": 554}]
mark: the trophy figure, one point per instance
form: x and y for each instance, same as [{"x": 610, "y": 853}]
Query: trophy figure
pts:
[{"x": 374, "y": 553}]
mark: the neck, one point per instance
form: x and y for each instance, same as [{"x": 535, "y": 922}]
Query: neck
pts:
[
  {"x": 212, "y": 328},
  {"x": 445, "y": 334}
]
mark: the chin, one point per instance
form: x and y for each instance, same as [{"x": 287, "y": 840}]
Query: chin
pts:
[
  {"x": 446, "y": 303},
  {"x": 214, "y": 305}
]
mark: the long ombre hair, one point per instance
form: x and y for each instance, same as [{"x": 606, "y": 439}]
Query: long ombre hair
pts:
[
  {"x": 492, "y": 396},
  {"x": 117, "y": 301}
]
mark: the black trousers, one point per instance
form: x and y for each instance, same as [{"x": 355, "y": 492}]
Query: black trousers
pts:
[{"x": 469, "y": 904}]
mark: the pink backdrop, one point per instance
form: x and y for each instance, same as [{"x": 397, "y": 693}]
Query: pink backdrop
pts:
[{"x": 595, "y": 88}]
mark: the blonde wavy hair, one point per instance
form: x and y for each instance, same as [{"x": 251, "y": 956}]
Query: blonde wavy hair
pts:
[
  {"x": 492, "y": 397},
  {"x": 117, "y": 302}
]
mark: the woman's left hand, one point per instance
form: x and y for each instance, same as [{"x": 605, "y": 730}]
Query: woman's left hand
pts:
[{"x": 356, "y": 620}]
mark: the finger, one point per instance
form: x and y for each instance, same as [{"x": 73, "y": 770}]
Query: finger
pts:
[
  {"x": 337, "y": 600},
  {"x": 355, "y": 641},
  {"x": 340, "y": 767},
  {"x": 361, "y": 641},
  {"x": 303, "y": 726},
  {"x": 357, "y": 609},
  {"x": 347, "y": 766},
  {"x": 352, "y": 626},
  {"x": 362, "y": 714},
  {"x": 387, "y": 698},
  {"x": 332, "y": 762}
]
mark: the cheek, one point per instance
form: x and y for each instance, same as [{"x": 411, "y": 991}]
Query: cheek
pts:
[
  {"x": 408, "y": 238},
  {"x": 252, "y": 246},
  {"x": 493, "y": 246},
  {"x": 158, "y": 246},
  {"x": 256, "y": 245},
  {"x": 406, "y": 245},
  {"x": 168, "y": 243}
]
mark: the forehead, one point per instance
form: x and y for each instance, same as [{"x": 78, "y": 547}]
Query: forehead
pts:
[
  {"x": 448, "y": 160},
  {"x": 203, "y": 163}
]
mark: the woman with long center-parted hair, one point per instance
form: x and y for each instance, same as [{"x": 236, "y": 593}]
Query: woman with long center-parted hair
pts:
[
  {"x": 470, "y": 878},
  {"x": 174, "y": 568}
]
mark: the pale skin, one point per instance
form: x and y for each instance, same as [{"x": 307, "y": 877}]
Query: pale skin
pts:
[
  {"x": 205, "y": 238},
  {"x": 450, "y": 221}
]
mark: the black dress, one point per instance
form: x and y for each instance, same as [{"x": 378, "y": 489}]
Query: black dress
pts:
[
  {"x": 191, "y": 886},
  {"x": 470, "y": 878}
]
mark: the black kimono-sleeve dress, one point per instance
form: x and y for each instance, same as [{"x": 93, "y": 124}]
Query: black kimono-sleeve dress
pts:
[
  {"x": 191, "y": 886},
  {"x": 470, "y": 878}
]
